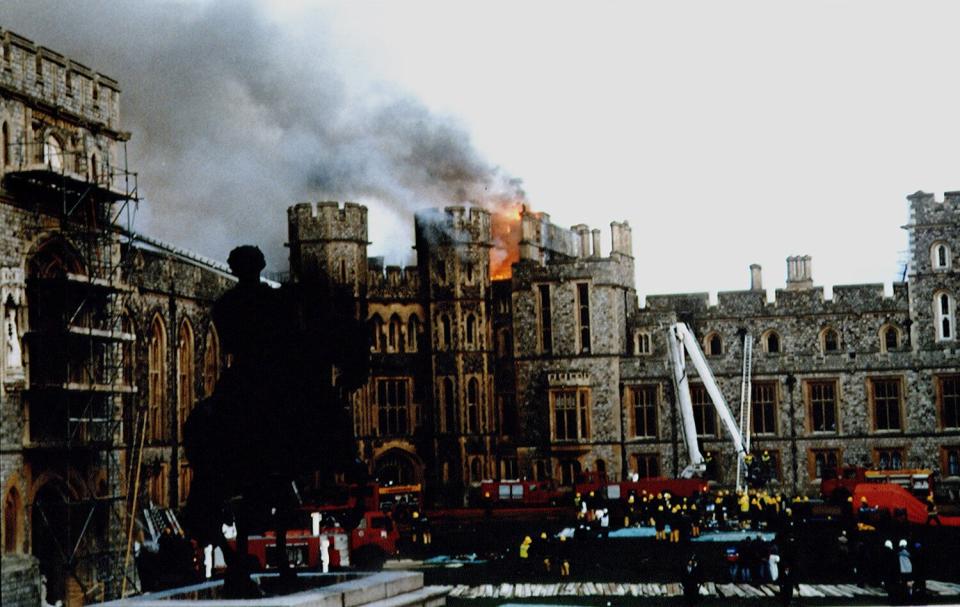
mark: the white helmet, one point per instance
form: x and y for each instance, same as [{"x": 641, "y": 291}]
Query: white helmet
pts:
[
  {"x": 903, "y": 543},
  {"x": 888, "y": 544}
]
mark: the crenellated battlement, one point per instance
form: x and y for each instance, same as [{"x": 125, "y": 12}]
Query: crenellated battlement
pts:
[
  {"x": 863, "y": 297},
  {"x": 328, "y": 221},
  {"x": 454, "y": 225},
  {"x": 44, "y": 76},
  {"x": 926, "y": 209},
  {"x": 391, "y": 282}
]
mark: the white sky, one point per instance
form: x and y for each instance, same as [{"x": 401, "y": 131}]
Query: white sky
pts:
[{"x": 726, "y": 133}]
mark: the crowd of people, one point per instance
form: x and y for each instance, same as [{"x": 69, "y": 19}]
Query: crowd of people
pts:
[{"x": 764, "y": 547}]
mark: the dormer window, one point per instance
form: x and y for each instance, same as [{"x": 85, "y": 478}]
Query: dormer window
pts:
[{"x": 940, "y": 256}]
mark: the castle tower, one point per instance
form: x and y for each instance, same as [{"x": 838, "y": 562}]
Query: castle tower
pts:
[
  {"x": 453, "y": 256},
  {"x": 934, "y": 274},
  {"x": 328, "y": 243}
]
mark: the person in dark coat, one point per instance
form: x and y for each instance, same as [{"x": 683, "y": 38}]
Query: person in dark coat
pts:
[
  {"x": 788, "y": 582},
  {"x": 691, "y": 577}
]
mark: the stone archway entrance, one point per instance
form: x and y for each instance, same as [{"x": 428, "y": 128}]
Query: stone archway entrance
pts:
[
  {"x": 398, "y": 467},
  {"x": 50, "y": 537}
]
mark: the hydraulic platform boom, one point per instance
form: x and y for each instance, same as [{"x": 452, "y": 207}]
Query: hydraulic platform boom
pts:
[{"x": 683, "y": 344}]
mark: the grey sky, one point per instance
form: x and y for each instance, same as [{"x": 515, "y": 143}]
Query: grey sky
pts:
[{"x": 726, "y": 133}]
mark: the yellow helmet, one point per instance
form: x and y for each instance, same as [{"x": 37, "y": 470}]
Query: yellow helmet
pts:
[
  {"x": 527, "y": 540},
  {"x": 416, "y": 514},
  {"x": 543, "y": 535},
  {"x": 630, "y": 499},
  {"x": 659, "y": 508},
  {"x": 666, "y": 495},
  {"x": 591, "y": 494}
]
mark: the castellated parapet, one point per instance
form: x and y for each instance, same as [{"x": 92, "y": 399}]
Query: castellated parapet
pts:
[
  {"x": 39, "y": 74},
  {"x": 391, "y": 282},
  {"x": 327, "y": 221},
  {"x": 453, "y": 225}
]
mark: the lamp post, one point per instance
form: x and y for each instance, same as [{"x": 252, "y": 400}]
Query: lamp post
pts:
[{"x": 791, "y": 383}]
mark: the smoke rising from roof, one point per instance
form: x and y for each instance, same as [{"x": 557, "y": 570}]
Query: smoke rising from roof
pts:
[{"x": 233, "y": 120}]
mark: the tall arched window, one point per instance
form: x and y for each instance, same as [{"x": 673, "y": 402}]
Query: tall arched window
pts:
[
  {"x": 12, "y": 514},
  {"x": 829, "y": 340},
  {"x": 6, "y": 145},
  {"x": 714, "y": 344},
  {"x": 449, "y": 408},
  {"x": 944, "y": 309},
  {"x": 94, "y": 170},
  {"x": 211, "y": 361},
  {"x": 413, "y": 328},
  {"x": 395, "y": 339},
  {"x": 129, "y": 349},
  {"x": 476, "y": 470},
  {"x": 473, "y": 406},
  {"x": 940, "y": 256},
  {"x": 156, "y": 380},
  {"x": 53, "y": 154},
  {"x": 445, "y": 331},
  {"x": 376, "y": 334},
  {"x": 185, "y": 374},
  {"x": 471, "y": 329}
]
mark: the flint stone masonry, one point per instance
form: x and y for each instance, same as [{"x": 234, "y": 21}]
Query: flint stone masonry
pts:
[{"x": 20, "y": 581}]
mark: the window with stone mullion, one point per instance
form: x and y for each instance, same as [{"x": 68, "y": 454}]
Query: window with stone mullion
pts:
[
  {"x": 950, "y": 401},
  {"x": 703, "y": 416},
  {"x": 763, "y": 407},
  {"x": 565, "y": 415},
  {"x": 645, "y": 411},
  {"x": 886, "y": 399},
  {"x": 823, "y": 407}
]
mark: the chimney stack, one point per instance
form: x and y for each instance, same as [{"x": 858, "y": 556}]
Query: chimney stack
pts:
[
  {"x": 596, "y": 242},
  {"x": 799, "y": 272},
  {"x": 583, "y": 232},
  {"x": 756, "y": 279}
]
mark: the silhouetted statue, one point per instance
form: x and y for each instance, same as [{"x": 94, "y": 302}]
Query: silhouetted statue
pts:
[{"x": 279, "y": 411}]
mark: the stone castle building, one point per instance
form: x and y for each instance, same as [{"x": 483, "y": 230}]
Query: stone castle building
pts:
[
  {"x": 107, "y": 342},
  {"x": 108, "y": 345},
  {"x": 558, "y": 369}
]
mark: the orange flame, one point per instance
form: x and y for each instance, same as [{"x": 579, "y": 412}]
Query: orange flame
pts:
[{"x": 505, "y": 231}]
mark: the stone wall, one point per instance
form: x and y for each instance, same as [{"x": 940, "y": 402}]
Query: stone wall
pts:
[{"x": 20, "y": 581}]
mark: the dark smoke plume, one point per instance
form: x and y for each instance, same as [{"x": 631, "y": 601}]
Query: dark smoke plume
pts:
[{"x": 233, "y": 120}]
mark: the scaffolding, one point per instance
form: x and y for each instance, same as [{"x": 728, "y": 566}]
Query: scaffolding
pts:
[{"x": 81, "y": 414}]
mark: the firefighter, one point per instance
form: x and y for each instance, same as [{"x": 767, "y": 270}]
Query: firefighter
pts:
[
  {"x": 675, "y": 521},
  {"x": 694, "y": 521},
  {"x": 422, "y": 523},
  {"x": 415, "y": 527},
  {"x": 545, "y": 550},
  {"x": 564, "y": 557},
  {"x": 659, "y": 521},
  {"x": 524, "y": 554}
]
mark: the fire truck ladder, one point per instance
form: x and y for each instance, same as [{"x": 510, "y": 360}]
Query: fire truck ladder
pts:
[{"x": 745, "y": 409}]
